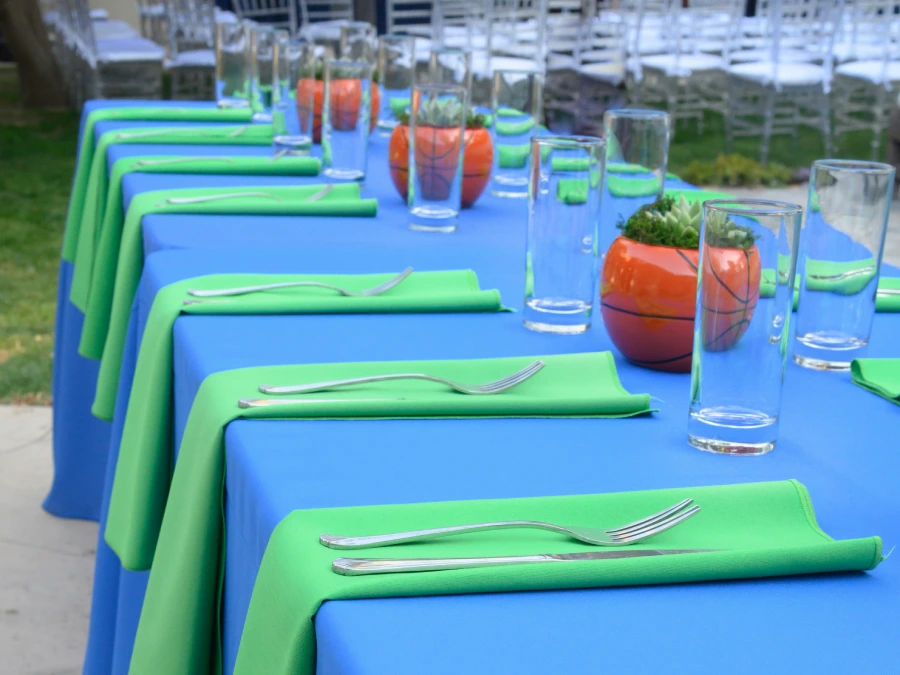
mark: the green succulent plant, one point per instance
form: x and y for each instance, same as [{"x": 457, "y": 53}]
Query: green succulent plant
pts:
[
  {"x": 438, "y": 113},
  {"x": 667, "y": 222}
]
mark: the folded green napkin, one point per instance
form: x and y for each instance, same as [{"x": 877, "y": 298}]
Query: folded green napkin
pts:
[
  {"x": 849, "y": 286},
  {"x": 117, "y": 267},
  {"x": 95, "y": 217},
  {"x": 91, "y": 170},
  {"x": 623, "y": 167},
  {"x": 880, "y": 376},
  {"x": 179, "y": 609},
  {"x": 399, "y": 105},
  {"x": 763, "y": 529},
  {"x": 572, "y": 191},
  {"x": 508, "y": 128},
  {"x": 451, "y": 291}
]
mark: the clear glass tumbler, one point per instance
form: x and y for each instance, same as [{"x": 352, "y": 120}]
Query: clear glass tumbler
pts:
[
  {"x": 232, "y": 65},
  {"x": 636, "y": 157},
  {"x": 436, "y": 141},
  {"x": 358, "y": 41},
  {"x": 396, "y": 66},
  {"x": 516, "y": 107},
  {"x": 262, "y": 71},
  {"x": 345, "y": 119},
  {"x": 840, "y": 260},
  {"x": 449, "y": 65},
  {"x": 740, "y": 338},
  {"x": 293, "y": 97},
  {"x": 564, "y": 195}
]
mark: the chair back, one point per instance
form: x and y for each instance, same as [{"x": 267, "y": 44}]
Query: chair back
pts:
[
  {"x": 191, "y": 25},
  {"x": 276, "y": 13}
]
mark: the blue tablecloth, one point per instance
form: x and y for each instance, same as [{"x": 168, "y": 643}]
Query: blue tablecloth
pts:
[{"x": 819, "y": 624}]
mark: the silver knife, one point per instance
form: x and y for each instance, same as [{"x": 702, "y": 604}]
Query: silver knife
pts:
[
  {"x": 352, "y": 567},
  {"x": 267, "y": 402}
]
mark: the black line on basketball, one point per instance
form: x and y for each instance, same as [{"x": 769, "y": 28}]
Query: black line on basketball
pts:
[
  {"x": 724, "y": 285},
  {"x": 686, "y": 259},
  {"x": 646, "y": 316},
  {"x": 658, "y": 363}
]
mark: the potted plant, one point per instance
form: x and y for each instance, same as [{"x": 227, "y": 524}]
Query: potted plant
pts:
[
  {"x": 648, "y": 289},
  {"x": 478, "y": 153},
  {"x": 345, "y": 92}
]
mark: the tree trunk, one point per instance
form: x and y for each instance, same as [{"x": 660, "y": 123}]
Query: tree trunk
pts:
[{"x": 40, "y": 81}]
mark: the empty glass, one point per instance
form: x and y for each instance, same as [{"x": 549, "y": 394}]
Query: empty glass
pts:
[
  {"x": 262, "y": 73},
  {"x": 516, "y": 103},
  {"x": 293, "y": 97},
  {"x": 396, "y": 65},
  {"x": 636, "y": 157},
  {"x": 232, "y": 66},
  {"x": 358, "y": 41},
  {"x": 345, "y": 119},
  {"x": 436, "y": 141},
  {"x": 741, "y": 338},
  {"x": 564, "y": 194},
  {"x": 840, "y": 260},
  {"x": 451, "y": 66}
]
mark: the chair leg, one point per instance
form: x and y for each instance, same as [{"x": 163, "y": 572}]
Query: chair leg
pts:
[
  {"x": 878, "y": 121},
  {"x": 768, "y": 115},
  {"x": 729, "y": 116},
  {"x": 825, "y": 112}
]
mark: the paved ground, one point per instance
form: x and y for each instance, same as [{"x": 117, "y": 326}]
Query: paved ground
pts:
[{"x": 46, "y": 564}]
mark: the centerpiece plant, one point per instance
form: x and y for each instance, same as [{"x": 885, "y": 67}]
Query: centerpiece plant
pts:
[
  {"x": 648, "y": 290},
  {"x": 346, "y": 98},
  {"x": 437, "y": 147}
]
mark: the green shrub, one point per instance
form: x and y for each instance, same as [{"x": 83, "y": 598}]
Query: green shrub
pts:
[{"x": 734, "y": 171}]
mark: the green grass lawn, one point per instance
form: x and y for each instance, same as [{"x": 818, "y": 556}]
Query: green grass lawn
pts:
[{"x": 37, "y": 158}]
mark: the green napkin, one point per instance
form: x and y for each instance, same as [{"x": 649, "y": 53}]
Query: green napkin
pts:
[
  {"x": 399, "y": 105},
  {"x": 880, "y": 376},
  {"x": 179, "y": 608},
  {"x": 623, "y": 167},
  {"x": 849, "y": 286},
  {"x": 117, "y": 268},
  {"x": 91, "y": 170},
  {"x": 451, "y": 291},
  {"x": 764, "y": 529},
  {"x": 86, "y": 150},
  {"x": 92, "y": 227},
  {"x": 508, "y": 128},
  {"x": 572, "y": 191}
]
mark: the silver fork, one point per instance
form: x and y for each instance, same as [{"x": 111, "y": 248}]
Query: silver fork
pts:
[
  {"x": 624, "y": 535},
  {"x": 366, "y": 293},
  {"x": 487, "y": 388},
  {"x": 210, "y": 198}
]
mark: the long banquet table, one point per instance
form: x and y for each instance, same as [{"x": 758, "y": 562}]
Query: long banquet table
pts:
[{"x": 837, "y": 439}]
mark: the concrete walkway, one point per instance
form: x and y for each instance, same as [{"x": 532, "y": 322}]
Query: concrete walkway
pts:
[{"x": 47, "y": 564}]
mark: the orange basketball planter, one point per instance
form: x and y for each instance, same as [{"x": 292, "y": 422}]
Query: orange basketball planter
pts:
[
  {"x": 730, "y": 293},
  {"x": 345, "y": 99},
  {"x": 436, "y": 150},
  {"x": 647, "y": 299},
  {"x": 648, "y": 295}
]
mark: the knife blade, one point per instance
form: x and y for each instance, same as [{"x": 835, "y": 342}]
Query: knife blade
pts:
[{"x": 360, "y": 566}]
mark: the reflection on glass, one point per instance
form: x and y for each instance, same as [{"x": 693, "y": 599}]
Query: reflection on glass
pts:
[
  {"x": 293, "y": 98},
  {"x": 516, "y": 104},
  {"x": 232, "y": 65},
  {"x": 345, "y": 119}
]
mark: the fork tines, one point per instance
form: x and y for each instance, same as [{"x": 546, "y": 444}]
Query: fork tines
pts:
[{"x": 658, "y": 522}]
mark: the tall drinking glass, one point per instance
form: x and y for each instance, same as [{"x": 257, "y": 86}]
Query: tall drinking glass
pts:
[
  {"x": 516, "y": 104},
  {"x": 293, "y": 97},
  {"x": 262, "y": 71},
  {"x": 740, "y": 338},
  {"x": 840, "y": 260},
  {"x": 345, "y": 119},
  {"x": 564, "y": 194},
  {"x": 396, "y": 65},
  {"x": 358, "y": 41},
  {"x": 436, "y": 141},
  {"x": 232, "y": 65},
  {"x": 451, "y": 66},
  {"x": 636, "y": 158}
]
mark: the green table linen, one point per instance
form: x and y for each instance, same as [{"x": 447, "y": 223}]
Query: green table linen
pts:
[
  {"x": 86, "y": 150},
  {"x": 449, "y": 291},
  {"x": 117, "y": 268},
  {"x": 850, "y": 286},
  {"x": 180, "y": 605},
  {"x": 91, "y": 169},
  {"x": 764, "y": 529},
  {"x": 624, "y": 167},
  {"x": 95, "y": 219},
  {"x": 880, "y": 376}
]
